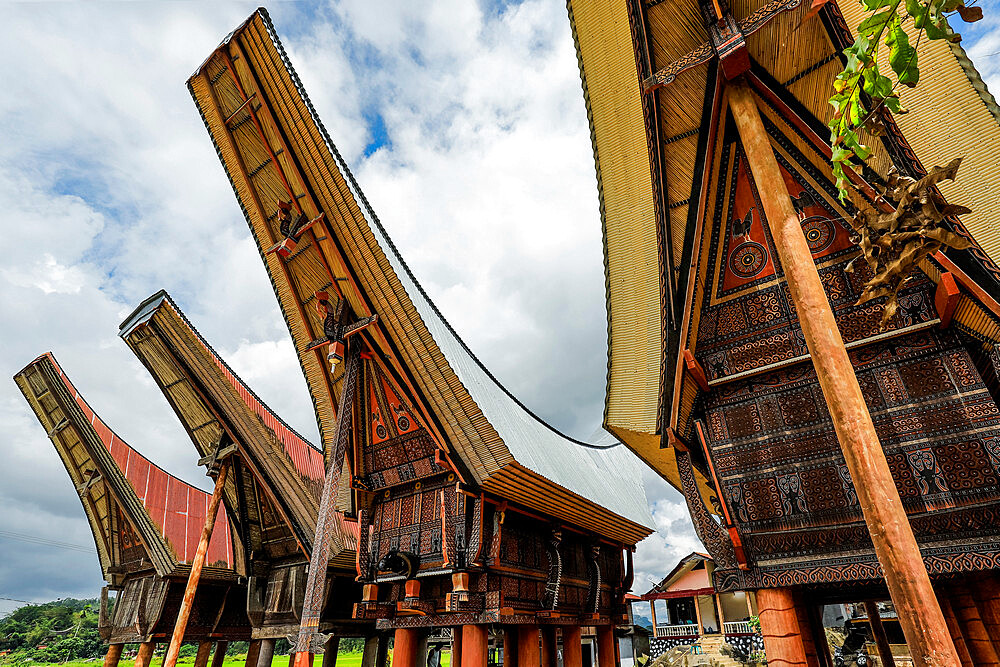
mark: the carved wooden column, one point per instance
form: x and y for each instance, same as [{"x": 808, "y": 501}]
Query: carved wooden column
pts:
[
  {"x": 548, "y": 656},
  {"x": 607, "y": 647},
  {"x": 528, "y": 654},
  {"x": 145, "y": 656},
  {"x": 572, "y": 646},
  {"x": 976, "y": 639},
  {"x": 265, "y": 653},
  {"x": 203, "y": 654},
  {"x": 878, "y": 631},
  {"x": 779, "y": 625},
  {"x": 896, "y": 547},
  {"x": 219, "y": 656},
  {"x": 404, "y": 648},
  {"x": 330, "y": 652},
  {"x": 475, "y": 645},
  {"x": 113, "y": 655},
  {"x": 954, "y": 630}
]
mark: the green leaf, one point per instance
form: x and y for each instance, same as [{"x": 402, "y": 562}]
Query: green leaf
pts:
[
  {"x": 902, "y": 56},
  {"x": 876, "y": 22}
]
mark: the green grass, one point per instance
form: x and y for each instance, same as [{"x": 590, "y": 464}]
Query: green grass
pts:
[{"x": 343, "y": 660}]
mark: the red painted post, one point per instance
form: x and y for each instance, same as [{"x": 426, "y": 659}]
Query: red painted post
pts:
[
  {"x": 404, "y": 648},
  {"x": 572, "y": 646},
  {"x": 607, "y": 647},
  {"x": 527, "y": 646},
  {"x": 475, "y": 645}
]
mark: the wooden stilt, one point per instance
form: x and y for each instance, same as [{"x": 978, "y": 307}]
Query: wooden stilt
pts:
[
  {"x": 878, "y": 632},
  {"x": 652, "y": 614},
  {"x": 219, "y": 656},
  {"x": 421, "y": 660},
  {"x": 973, "y": 630},
  {"x": 548, "y": 656},
  {"x": 370, "y": 651},
  {"x": 266, "y": 653},
  {"x": 145, "y": 656},
  {"x": 819, "y": 636},
  {"x": 113, "y": 655},
  {"x": 509, "y": 647},
  {"x": 308, "y": 659},
  {"x": 528, "y": 653},
  {"x": 896, "y": 547},
  {"x": 203, "y": 654},
  {"x": 607, "y": 647},
  {"x": 456, "y": 646},
  {"x": 196, "y": 565},
  {"x": 382, "y": 654},
  {"x": 697, "y": 615},
  {"x": 718, "y": 612},
  {"x": 806, "y": 630},
  {"x": 253, "y": 652},
  {"x": 404, "y": 648},
  {"x": 475, "y": 645},
  {"x": 987, "y": 596},
  {"x": 330, "y": 652},
  {"x": 572, "y": 646},
  {"x": 746, "y": 598},
  {"x": 779, "y": 625},
  {"x": 955, "y": 631}
]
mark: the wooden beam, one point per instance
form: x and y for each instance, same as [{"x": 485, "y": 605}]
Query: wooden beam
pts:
[
  {"x": 695, "y": 370},
  {"x": 987, "y": 595},
  {"x": 946, "y": 298},
  {"x": 878, "y": 631},
  {"x": 196, "y": 566},
  {"x": 896, "y": 547}
]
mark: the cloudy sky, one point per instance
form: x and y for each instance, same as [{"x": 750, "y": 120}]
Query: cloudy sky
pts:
[{"x": 466, "y": 128}]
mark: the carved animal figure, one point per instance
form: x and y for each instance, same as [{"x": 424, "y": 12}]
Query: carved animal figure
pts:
[
  {"x": 400, "y": 562},
  {"x": 803, "y": 201},
  {"x": 742, "y": 227}
]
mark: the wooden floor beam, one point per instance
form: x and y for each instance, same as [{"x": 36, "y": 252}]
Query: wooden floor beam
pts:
[
  {"x": 896, "y": 547},
  {"x": 987, "y": 595}
]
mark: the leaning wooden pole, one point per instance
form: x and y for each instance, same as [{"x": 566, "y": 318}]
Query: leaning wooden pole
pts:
[
  {"x": 312, "y": 603},
  {"x": 896, "y": 547},
  {"x": 196, "y": 566}
]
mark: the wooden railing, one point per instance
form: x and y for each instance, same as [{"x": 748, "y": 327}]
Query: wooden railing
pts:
[
  {"x": 688, "y": 630},
  {"x": 737, "y": 628}
]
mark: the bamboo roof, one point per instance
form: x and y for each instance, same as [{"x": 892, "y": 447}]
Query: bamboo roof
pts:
[
  {"x": 275, "y": 149},
  {"x": 650, "y": 188},
  {"x": 211, "y": 400},
  {"x": 129, "y": 500}
]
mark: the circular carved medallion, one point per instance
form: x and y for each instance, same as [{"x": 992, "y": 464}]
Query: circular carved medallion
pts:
[
  {"x": 403, "y": 423},
  {"x": 819, "y": 232},
  {"x": 748, "y": 259},
  {"x": 381, "y": 432}
]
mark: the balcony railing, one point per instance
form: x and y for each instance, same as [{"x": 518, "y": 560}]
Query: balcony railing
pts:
[
  {"x": 687, "y": 630},
  {"x": 737, "y": 628}
]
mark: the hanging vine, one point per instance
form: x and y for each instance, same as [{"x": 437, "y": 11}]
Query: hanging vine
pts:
[{"x": 862, "y": 90}]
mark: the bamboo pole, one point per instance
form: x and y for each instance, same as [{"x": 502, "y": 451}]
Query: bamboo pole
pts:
[
  {"x": 196, "y": 566},
  {"x": 896, "y": 547},
  {"x": 878, "y": 631}
]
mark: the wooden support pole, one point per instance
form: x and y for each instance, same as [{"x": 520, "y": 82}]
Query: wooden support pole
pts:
[
  {"x": 266, "y": 653},
  {"x": 291, "y": 659},
  {"x": 528, "y": 653},
  {"x": 196, "y": 566},
  {"x": 572, "y": 646},
  {"x": 253, "y": 652},
  {"x": 203, "y": 654},
  {"x": 113, "y": 655},
  {"x": 607, "y": 647},
  {"x": 697, "y": 615},
  {"x": 878, "y": 632},
  {"x": 382, "y": 654},
  {"x": 456, "y": 646},
  {"x": 330, "y": 651},
  {"x": 144, "y": 658},
  {"x": 973, "y": 630},
  {"x": 806, "y": 629},
  {"x": 987, "y": 595},
  {"x": 896, "y": 547},
  {"x": 475, "y": 645},
  {"x": 815, "y": 613},
  {"x": 718, "y": 610},
  {"x": 548, "y": 656},
  {"x": 955, "y": 631},
  {"x": 421, "y": 660},
  {"x": 404, "y": 648},
  {"x": 219, "y": 656},
  {"x": 779, "y": 625},
  {"x": 509, "y": 646}
]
